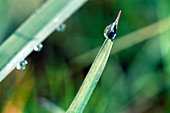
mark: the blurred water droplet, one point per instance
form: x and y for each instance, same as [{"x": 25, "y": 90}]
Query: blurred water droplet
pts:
[
  {"x": 61, "y": 28},
  {"x": 56, "y": 20},
  {"x": 110, "y": 31},
  {"x": 38, "y": 47},
  {"x": 22, "y": 65}
]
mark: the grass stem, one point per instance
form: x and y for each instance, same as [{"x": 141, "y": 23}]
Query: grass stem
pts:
[{"x": 91, "y": 79}]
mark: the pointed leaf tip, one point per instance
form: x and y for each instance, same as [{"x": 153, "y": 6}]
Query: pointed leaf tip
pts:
[{"x": 118, "y": 16}]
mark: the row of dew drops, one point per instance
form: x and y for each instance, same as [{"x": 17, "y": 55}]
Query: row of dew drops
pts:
[
  {"x": 109, "y": 33},
  {"x": 23, "y": 64}
]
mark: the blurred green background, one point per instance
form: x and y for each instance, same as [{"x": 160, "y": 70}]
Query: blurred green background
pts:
[{"x": 135, "y": 80}]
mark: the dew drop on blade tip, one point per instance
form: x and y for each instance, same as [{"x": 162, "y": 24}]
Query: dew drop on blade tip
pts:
[
  {"x": 110, "y": 30},
  {"x": 38, "y": 47},
  {"x": 61, "y": 28},
  {"x": 22, "y": 65}
]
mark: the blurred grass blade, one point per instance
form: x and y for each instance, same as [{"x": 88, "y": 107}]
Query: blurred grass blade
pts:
[
  {"x": 32, "y": 32},
  {"x": 20, "y": 94},
  {"x": 91, "y": 79},
  {"x": 127, "y": 41},
  {"x": 50, "y": 106}
]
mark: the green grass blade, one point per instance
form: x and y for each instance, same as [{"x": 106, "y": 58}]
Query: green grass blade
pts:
[
  {"x": 91, "y": 79},
  {"x": 127, "y": 41},
  {"x": 50, "y": 106},
  {"x": 32, "y": 32}
]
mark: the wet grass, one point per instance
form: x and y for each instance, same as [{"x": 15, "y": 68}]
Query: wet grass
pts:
[
  {"x": 33, "y": 31},
  {"x": 136, "y": 78},
  {"x": 91, "y": 79}
]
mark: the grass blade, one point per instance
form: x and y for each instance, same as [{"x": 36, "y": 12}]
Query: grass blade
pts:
[
  {"x": 91, "y": 79},
  {"x": 20, "y": 95},
  {"x": 50, "y": 106},
  {"x": 127, "y": 41},
  {"x": 36, "y": 29}
]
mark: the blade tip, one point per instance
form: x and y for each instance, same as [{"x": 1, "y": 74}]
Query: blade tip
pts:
[{"x": 118, "y": 16}]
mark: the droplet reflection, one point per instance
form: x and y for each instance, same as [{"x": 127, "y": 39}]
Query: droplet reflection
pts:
[
  {"x": 61, "y": 28},
  {"x": 110, "y": 31},
  {"x": 22, "y": 65},
  {"x": 38, "y": 47}
]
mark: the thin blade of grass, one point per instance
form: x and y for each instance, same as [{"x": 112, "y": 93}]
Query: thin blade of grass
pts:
[
  {"x": 32, "y": 32},
  {"x": 50, "y": 106},
  {"x": 9, "y": 11},
  {"x": 91, "y": 79},
  {"x": 20, "y": 95},
  {"x": 162, "y": 11},
  {"x": 127, "y": 41}
]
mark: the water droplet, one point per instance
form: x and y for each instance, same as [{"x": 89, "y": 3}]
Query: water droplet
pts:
[
  {"x": 22, "y": 65},
  {"x": 110, "y": 31},
  {"x": 61, "y": 28},
  {"x": 56, "y": 20},
  {"x": 38, "y": 47}
]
